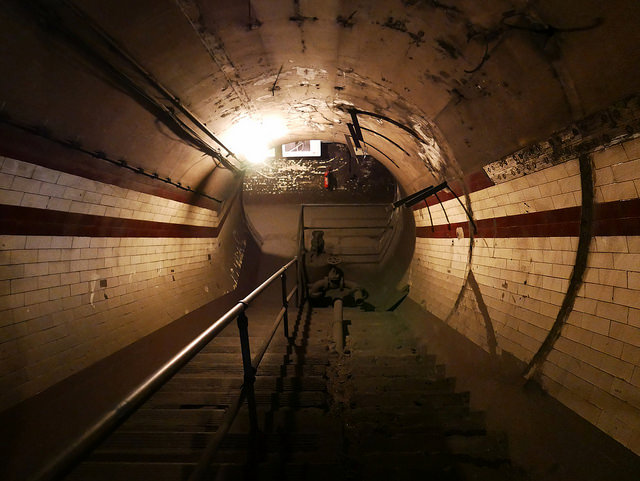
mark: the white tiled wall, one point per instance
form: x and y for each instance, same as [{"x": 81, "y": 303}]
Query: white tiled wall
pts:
[
  {"x": 594, "y": 367},
  {"x": 30, "y": 185},
  {"x": 66, "y": 302},
  {"x": 554, "y": 188}
]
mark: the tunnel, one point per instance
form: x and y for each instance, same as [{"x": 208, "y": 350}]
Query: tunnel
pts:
[{"x": 470, "y": 170}]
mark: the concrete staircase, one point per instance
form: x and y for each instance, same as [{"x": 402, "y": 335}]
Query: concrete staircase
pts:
[
  {"x": 384, "y": 410},
  {"x": 402, "y": 415},
  {"x": 165, "y": 439}
]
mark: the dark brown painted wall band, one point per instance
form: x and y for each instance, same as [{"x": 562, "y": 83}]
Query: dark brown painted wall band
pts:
[
  {"x": 16, "y": 220},
  {"x": 609, "y": 219}
]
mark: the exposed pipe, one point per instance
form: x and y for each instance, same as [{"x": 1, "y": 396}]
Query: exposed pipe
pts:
[
  {"x": 73, "y": 145},
  {"x": 378, "y": 150},
  {"x": 338, "y": 329},
  {"x": 148, "y": 76},
  {"x": 53, "y": 20},
  {"x": 354, "y": 135},
  {"x": 443, "y": 209},
  {"x": 475, "y": 229},
  {"x": 416, "y": 197},
  {"x": 386, "y": 138},
  {"x": 356, "y": 124}
]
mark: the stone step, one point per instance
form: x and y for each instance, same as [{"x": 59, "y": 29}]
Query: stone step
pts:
[
  {"x": 277, "y": 470},
  {"x": 220, "y": 364},
  {"x": 111, "y": 471},
  {"x": 177, "y": 420},
  {"x": 187, "y": 447},
  {"x": 286, "y": 419},
  {"x": 419, "y": 419},
  {"x": 379, "y": 346},
  {"x": 489, "y": 449},
  {"x": 385, "y": 384},
  {"x": 208, "y": 419},
  {"x": 231, "y": 344},
  {"x": 478, "y": 472},
  {"x": 213, "y": 359},
  {"x": 311, "y": 350},
  {"x": 221, "y": 349},
  {"x": 222, "y": 400},
  {"x": 401, "y": 400},
  {"x": 235, "y": 370},
  {"x": 447, "y": 468},
  {"x": 402, "y": 361},
  {"x": 374, "y": 325},
  {"x": 132, "y": 471},
  {"x": 225, "y": 384},
  {"x": 429, "y": 371}
]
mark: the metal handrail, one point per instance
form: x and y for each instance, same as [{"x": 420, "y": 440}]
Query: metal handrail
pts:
[
  {"x": 64, "y": 462},
  {"x": 321, "y": 227},
  {"x": 246, "y": 393},
  {"x": 336, "y": 205},
  {"x": 384, "y": 241}
]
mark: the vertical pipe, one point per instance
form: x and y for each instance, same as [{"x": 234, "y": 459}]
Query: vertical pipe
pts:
[
  {"x": 298, "y": 295},
  {"x": 475, "y": 229},
  {"x": 356, "y": 124},
  {"x": 354, "y": 136},
  {"x": 249, "y": 372},
  {"x": 301, "y": 259},
  {"x": 338, "y": 331},
  {"x": 285, "y": 304},
  {"x": 433, "y": 229},
  {"x": 302, "y": 244},
  {"x": 443, "y": 209}
]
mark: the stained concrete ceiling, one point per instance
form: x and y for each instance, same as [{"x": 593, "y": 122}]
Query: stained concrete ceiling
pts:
[{"x": 455, "y": 83}]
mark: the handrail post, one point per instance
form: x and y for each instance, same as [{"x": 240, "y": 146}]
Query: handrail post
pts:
[
  {"x": 249, "y": 372},
  {"x": 300, "y": 296},
  {"x": 285, "y": 304},
  {"x": 298, "y": 283}
]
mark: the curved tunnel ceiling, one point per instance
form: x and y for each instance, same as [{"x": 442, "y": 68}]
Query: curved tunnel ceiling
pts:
[{"x": 456, "y": 84}]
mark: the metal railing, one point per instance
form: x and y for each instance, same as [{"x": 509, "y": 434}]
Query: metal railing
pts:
[
  {"x": 372, "y": 257},
  {"x": 63, "y": 463}
]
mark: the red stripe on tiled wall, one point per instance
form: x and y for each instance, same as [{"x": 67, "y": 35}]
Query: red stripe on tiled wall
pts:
[
  {"x": 22, "y": 146},
  {"x": 610, "y": 219},
  {"x": 16, "y": 220},
  {"x": 477, "y": 181}
]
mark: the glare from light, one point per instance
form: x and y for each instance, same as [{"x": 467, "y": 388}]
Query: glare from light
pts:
[{"x": 254, "y": 139}]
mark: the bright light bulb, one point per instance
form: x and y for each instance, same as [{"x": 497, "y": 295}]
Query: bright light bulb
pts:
[{"x": 252, "y": 139}]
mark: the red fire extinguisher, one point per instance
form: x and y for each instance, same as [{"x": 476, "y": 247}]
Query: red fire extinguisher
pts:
[{"x": 327, "y": 182}]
